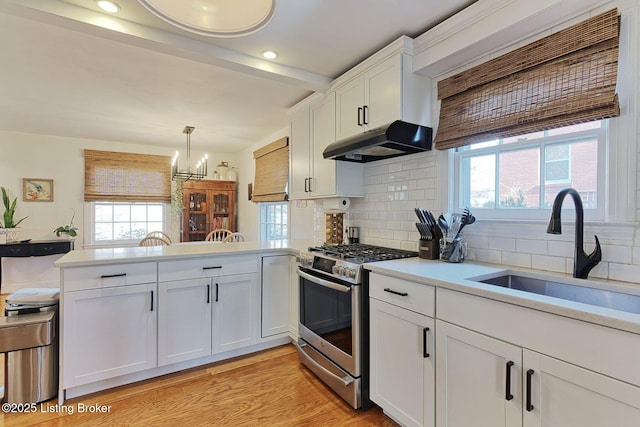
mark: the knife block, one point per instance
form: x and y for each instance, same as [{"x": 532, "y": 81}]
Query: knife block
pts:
[{"x": 428, "y": 249}]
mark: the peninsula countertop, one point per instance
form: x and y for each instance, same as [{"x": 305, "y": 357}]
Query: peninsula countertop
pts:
[{"x": 107, "y": 256}]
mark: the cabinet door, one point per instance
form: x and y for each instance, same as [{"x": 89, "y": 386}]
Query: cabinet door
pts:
[
  {"x": 383, "y": 95},
  {"x": 184, "y": 320},
  {"x": 567, "y": 395},
  {"x": 220, "y": 210},
  {"x": 99, "y": 340},
  {"x": 349, "y": 104},
  {"x": 276, "y": 290},
  {"x": 235, "y": 312},
  {"x": 300, "y": 152},
  {"x": 471, "y": 379},
  {"x": 323, "y": 121},
  {"x": 402, "y": 366},
  {"x": 195, "y": 222}
]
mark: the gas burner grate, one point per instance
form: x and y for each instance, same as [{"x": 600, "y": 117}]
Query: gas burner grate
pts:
[{"x": 361, "y": 253}]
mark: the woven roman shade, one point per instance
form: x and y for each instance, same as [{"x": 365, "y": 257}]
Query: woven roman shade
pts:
[
  {"x": 272, "y": 172},
  {"x": 566, "y": 78},
  {"x": 126, "y": 177}
]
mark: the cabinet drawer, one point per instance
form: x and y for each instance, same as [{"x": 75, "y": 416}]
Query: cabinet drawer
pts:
[
  {"x": 403, "y": 293},
  {"x": 108, "y": 276},
  {"x": 207, "y": 267}
]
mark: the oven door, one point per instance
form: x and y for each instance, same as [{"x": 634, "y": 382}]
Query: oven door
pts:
[{"x": 330, "y": 318}]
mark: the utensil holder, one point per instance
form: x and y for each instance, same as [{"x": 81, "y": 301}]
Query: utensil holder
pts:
[
  {"x": 428, "y": 249},
  {"x": 453, "y": 250}
]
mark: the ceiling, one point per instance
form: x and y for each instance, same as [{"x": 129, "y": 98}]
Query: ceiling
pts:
[{"x": 70, "y": 70}]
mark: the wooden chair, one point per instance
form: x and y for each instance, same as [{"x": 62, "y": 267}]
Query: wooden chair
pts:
[
  {"x": 234, "y": 237},
  {"x": 154, "y": 241},
  {"x": 218, "y": 235},
  {"x": 160, "y": 234}
]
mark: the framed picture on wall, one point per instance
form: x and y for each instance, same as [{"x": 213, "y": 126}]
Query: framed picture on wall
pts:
[{"x": 37, "y": 190}]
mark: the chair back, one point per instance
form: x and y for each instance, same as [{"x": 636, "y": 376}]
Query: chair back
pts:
[
  {"x": 154, "y": 241},
  {"x": 160, "y": 234},
  {"x": 234, "y": 237},
  {"x": 218, "y": 235}
]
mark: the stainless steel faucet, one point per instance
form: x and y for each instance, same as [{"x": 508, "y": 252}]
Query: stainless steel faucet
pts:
[{"x": 582, "y": 263}]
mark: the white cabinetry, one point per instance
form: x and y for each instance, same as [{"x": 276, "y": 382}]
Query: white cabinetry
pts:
[
  {"x": 215, "y": 302},
  {"x": 312, "y": 129},
  {"x": 383, "y": 93},
  {"x": 402, "y": 349},
  {"x": 100, "y": 305},
  {"x": 510, "y": 372},
  {"x": 184, "y": 320},
  {"x": 276, "y": 294},
  {"x": 235, "y": 312}
]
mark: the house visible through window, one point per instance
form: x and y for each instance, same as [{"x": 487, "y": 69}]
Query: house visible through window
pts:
[
  {"x": 524, "y": 173},
  {"x": 126, "y": 221},
  {"x": 274, "y": 218}
]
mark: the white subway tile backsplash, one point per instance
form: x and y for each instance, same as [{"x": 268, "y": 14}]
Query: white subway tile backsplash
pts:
[
  {"x": 531, "y": 246},
  {"x": 516, "y": 259},
  {"x": 549, "y": 263},
  {"x": 502, "y": 244}
]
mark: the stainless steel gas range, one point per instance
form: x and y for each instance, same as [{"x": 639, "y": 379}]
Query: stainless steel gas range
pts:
[{"x": 334, "y": 315}]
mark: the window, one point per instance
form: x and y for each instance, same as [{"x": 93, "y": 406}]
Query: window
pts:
[
  {"x": 519, "y": 177},
  {"x": 125, "y": 222},
  {"x": 274, "y": 218}
]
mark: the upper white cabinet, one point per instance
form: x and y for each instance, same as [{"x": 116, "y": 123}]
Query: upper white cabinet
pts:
[
  {"x": 385, "y": 92},
  {"x": 312, "y": 129}
]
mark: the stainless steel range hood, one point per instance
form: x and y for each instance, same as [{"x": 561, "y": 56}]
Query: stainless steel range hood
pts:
[{"x": 397, "y": 139}]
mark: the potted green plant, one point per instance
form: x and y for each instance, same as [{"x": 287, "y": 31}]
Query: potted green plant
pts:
[
  {"x": 70, "y": 230},
  {"x": 9, "y": 225}
]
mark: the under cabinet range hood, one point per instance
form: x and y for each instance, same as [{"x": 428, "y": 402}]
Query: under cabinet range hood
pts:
[{"x": 397, "y": 139}]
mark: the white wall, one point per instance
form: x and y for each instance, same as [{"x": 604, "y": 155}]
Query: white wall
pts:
[
  {"x": 61, "y": 159},
  {"x": 300, "y": 213}
]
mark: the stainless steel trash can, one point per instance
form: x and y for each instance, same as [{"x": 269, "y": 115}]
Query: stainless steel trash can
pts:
[{"x": 29, "y": 337}]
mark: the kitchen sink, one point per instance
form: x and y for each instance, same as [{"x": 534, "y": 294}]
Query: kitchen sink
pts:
[{"x": 567, "y": 291}]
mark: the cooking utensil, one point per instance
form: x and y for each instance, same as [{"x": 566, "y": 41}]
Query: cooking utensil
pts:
[{"x": 443, "y": 224}]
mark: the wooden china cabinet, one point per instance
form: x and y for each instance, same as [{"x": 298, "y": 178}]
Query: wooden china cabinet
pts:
[{"x": 208, "y": 205}]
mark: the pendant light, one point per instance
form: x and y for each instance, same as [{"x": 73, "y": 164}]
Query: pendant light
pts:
[{"x": 194, "y": 174}]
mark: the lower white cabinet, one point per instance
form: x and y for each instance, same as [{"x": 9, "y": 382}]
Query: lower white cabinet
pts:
[
  {"x": 486, "y": 382},
  {"x": 235, "y": 301},
  {"x": 474, "y": 375},
  {"x": 108, "y": 332},
  {"x": 402, "y": 349},
  {"x": 402, "y": 368},
  {"x": 276, "y": 293},
  {"x": 184, "y": 320}
]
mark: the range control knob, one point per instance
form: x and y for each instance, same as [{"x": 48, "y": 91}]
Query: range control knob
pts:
[
  {"x": 351, "y": 273},
  {"x": 340, "y": 270}
]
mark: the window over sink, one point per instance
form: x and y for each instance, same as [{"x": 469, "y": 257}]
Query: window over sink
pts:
[{"x": 518, "y": 177}]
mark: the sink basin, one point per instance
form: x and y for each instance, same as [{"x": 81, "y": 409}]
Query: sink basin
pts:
[{"x": 553, "y": 288}]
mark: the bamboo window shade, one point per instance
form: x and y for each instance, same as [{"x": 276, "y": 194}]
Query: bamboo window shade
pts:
[
  {"x": 563, "y": 79},
  {"x": 126, "y": 177},
  {"x": 272, "y": 172}
]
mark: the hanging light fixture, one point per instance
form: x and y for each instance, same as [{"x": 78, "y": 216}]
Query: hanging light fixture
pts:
[{"x": 194, "y": 174}]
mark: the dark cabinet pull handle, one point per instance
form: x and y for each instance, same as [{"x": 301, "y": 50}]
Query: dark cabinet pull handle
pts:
[
  {"x": 212, "y": 268},
  {"x": 391, "y": 291},
  {"x": 108, "y": 276},
  {"x": 425, "y": 350},
  {"x": 306, "y": 185},
  {"x": 151, "y": 300},
  {"x": 359, "y": 113},
  {"x": 364, "y": 115},
  {"x": 529, "y": 375},
  {"x": 507, "y": 392},
  {"x": 310, "y": 182},
  {"x": 217, "y": 292},
  {"x": 208, "y": 293}
]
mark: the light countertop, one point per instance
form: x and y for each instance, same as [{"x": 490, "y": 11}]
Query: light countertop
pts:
[
  {"x": 455, "y": 276},
  {"x": 106, "y": 256}
]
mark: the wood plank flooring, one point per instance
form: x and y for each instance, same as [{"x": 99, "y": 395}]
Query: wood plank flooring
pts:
[{"x": 270, "y": 388}]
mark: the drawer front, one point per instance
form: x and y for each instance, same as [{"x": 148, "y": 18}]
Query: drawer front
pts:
[
  {"x": 207, "y": 267},
  {"x": 108, "y": 276},
  {"x": 403, "y": 293}
]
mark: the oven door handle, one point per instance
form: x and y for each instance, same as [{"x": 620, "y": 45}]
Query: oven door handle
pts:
[{"x": 325, "y": 283}]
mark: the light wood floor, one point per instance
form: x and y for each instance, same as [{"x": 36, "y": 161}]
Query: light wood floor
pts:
[{"x": 270, "y": 388}]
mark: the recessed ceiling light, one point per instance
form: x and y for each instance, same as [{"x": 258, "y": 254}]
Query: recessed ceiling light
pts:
[
  {"x": 270, "y": 54},
  {"x": 108, "y": 6}
]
